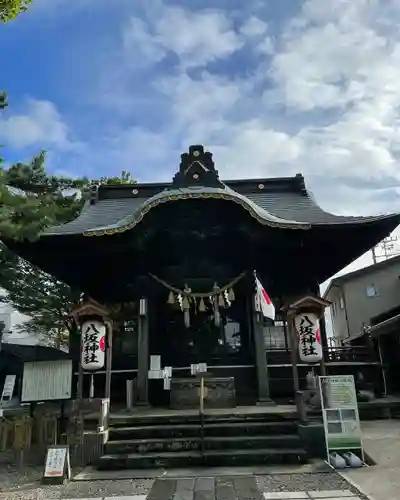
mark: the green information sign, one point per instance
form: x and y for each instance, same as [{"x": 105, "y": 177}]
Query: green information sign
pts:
[{"x": 340, "y": 414}]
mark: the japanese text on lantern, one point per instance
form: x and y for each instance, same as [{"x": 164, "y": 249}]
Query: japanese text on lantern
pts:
[
  {"x": 307, "y": 328},
  {"x": 93, "y": 345}
]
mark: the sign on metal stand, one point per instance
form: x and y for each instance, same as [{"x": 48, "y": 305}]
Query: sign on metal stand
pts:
[{"x": 340, "y": 415}]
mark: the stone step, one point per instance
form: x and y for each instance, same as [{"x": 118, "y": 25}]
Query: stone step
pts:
[
  {"x": 210, "y": 429},
  {"x": 194, "y": 443},
  {"x": 250, "y": 428},
  {"x": 154, "y": 431},
  {"x": 211, "y": 458},
  {"x": 134, "y": 420},
  {"x": 252, "y": 442}
]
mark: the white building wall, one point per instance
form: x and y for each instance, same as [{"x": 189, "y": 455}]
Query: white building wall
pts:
[{"x": 12, "y": 318}]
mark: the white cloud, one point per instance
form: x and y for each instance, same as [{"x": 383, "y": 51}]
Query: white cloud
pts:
[
  {"x": 254, "y": 27},
  {"x": 320, "y": 96},
  {"x": 195, "y": 37},
  {"x": 39, "y": 125},
  {"x": 330, "y": 98}
]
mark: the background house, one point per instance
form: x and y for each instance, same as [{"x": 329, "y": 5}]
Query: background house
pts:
[
  {"x": 12, "y": 319},
  {"x": 363, "y": 297}
]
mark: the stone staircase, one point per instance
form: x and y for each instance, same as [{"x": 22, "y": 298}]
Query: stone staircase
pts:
[{"x": 180, "y": 441}]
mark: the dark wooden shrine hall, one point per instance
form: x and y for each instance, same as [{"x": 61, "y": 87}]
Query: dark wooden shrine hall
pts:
[
  {"x": 204, "y": 230},
  {"x": 197, "y": 231}
]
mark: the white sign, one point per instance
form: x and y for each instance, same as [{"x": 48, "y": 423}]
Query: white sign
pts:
[
  {"x": 155, "y": 363},
  {"x": 57, "y": 465},
  {"x": 8, "y": 389},
  {"x": 340, "y": 414},
  {"x": 55, "y": 462},
  {"x": 155, "y": 374},
  {"x": 198, "y": 368},
  {"x": 309, "y": 335},
  {"x": 165, "y": 374},
  {"x": 47, "y": 381},
  {"x": 93, "y": 345}
]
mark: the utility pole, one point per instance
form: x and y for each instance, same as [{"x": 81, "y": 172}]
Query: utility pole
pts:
[
  {"x": 388, "y": 247},
  {"x": 374, "y": 258},
  {"x": 2, "y": 328}
]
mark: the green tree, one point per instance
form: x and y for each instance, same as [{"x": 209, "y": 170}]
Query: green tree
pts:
[
  {"x": 31, "y": 199},
  {"x": 10, "y": 9}
]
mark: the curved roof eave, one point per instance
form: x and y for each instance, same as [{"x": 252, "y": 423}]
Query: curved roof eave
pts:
[{"x": 168, "y": 195}]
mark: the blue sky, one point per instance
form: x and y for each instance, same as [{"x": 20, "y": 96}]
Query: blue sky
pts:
[{"x": 271, "y": 88}]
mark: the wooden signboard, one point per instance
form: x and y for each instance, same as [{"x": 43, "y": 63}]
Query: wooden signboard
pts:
[
  {"x": 46, "y": 381},
  {"x": 57, "y": 466}
]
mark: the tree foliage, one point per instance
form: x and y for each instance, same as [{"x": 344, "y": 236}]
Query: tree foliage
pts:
[
  {"x": 31, "y": 199},
  {"x": 10, "y": 9}
]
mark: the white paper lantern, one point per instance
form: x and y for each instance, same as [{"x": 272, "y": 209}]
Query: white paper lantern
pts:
[
  {"x": 93, "y": 345},
  {"x": 309, "y": 337}
]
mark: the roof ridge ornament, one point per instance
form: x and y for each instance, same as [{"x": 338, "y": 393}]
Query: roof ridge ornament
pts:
[{"x": 197, "y": 169}]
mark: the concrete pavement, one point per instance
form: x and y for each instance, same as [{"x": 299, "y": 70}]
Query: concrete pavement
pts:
[{"x": 381, "y": 439}]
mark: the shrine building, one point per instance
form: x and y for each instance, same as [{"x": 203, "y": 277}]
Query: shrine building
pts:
[{"x": 175, "y": 264}]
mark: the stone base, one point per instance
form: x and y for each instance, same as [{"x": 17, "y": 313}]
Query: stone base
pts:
[
  {"x": 265, "y": 402},
  {"x": 143, "y": 404},
  {"x": 185, "y": 393},
  {"x": 313, "y": 437}
]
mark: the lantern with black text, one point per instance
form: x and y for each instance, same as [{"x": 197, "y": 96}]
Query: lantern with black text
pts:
[
  {"x": 309, "y": 337},
  {"x": 93, "y": 345}
]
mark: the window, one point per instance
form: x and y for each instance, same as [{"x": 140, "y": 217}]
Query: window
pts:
[
  {"x": 232, "y": 336},
  {"x": 129, "y": 338},
  {"x": 341, "y": 302},
  {"x": 274, "y": 337},
  {"x": 371, "y": 291}
]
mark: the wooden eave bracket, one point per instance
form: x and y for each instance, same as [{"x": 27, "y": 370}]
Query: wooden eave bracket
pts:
[
  {"x": 309, "y": 303},
  {"x": 90, "y": 308}
]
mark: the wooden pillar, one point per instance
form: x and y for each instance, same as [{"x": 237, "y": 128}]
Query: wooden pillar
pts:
[
  {"x": 109, "y": 360},
  {"x": 143, "y": 354},
  {"x": 293, "y": 352},
  {"x": 324, "y": 337},
  {"x": 261, "y": 357}
]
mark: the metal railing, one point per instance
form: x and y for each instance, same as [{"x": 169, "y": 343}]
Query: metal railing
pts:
[
  {"x": 276, "y": 357},
  {"x": 354, "y": 354}
]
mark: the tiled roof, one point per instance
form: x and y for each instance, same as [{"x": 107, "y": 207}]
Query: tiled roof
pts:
[
  {"x": 283, "y": 200},
  {"x": 33, "y": 352}
]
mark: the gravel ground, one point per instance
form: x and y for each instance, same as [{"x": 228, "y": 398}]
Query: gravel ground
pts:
[
  {"x": 98, "y": 489},
  {"x": 306, "y": 482},
  {"x": 15, "y": 485},
  {"x": 26, "y": 485}
]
